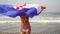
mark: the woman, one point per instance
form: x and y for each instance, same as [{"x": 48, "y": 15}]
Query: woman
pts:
[
  {"x": 24, "y": 11},
  {"x": 25, "y": 25}
]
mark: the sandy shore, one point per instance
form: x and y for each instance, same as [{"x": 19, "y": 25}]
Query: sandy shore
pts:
[{"x": 37, "y": 28}]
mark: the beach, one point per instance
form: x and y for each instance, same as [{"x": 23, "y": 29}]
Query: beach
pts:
[
  {"x": 48, "y": 22},
  {"x": 39, "y": 25},
  {"x": 37, "y": 28}
]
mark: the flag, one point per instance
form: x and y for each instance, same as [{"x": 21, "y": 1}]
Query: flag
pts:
[{"x": 9, "y": 10}]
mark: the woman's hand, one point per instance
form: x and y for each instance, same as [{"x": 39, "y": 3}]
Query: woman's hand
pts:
[{"x": 42, "y": 8}]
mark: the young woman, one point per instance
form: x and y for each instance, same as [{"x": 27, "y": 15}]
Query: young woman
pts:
[
  {"x": 24, "y": 11},
  {"x": 25, "y": 25}
]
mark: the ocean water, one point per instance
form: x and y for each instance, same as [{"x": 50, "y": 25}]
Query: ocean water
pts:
[
  {"x": 43, "y": 17},
  {"x": 45, "y": 23}
]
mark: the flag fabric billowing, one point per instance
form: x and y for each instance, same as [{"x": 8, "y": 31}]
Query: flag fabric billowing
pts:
[{"x": 9, "y": 10}]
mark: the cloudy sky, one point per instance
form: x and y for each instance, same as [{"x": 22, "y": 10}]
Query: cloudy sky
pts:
[{"x": 52, "y": 5}]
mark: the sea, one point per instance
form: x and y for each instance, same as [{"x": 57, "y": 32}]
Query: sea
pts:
[{"x": 45, "y": 23}]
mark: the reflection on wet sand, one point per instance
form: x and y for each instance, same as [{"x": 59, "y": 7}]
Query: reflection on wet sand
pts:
[{"x": 37, "y": 28}]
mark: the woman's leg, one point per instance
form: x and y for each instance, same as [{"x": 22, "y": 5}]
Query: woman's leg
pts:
[
  {"x": 25, "y": 31},
  {"x": 25, "y": 25}
]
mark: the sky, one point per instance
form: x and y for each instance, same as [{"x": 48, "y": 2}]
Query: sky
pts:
[{"x": 51, "y": 5}]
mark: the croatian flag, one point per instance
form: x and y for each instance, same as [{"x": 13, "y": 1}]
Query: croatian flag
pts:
[{"x": 14, "y": 11}]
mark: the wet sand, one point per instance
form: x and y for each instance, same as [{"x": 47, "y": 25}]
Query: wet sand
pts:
[{"x": 37, "y": 28}]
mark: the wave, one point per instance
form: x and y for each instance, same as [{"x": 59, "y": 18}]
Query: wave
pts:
[{"x": 33, "y": 20}]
